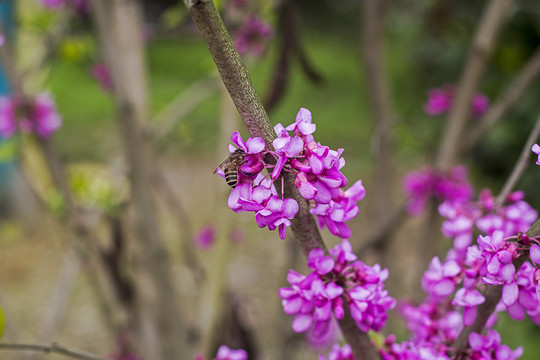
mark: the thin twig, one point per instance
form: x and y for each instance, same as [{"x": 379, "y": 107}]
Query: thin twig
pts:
[
  {"x": 238, "y": 83},
  {"x": 191, "y": 259},
  {"x": 479, "y": 53},
  {"x": 521, "y": 163},
  {"x": 53, "y": 348},
  {"x": 119, "y": 28},
  {"x": 182, "y": 105},
  {"x": 520, "y": 83},
  {"x": 373, "y": 20}
]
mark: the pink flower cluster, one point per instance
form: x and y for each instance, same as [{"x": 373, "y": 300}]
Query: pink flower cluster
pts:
[
  {"x": 512, "y": 217},
  {"x": 489, "y": 347},
  {"x": 38, "y": 116},
  {"x": 440, "y": 101},
  {"x": 225, "y": 353},
  {"x": 451, "y": 187},
  {"x": 536, "y": 150},
  {"x": 485, "y": 347},
  {"x": 335, "y": 281},
  {"x": 252, "y": 38},
  {"x": 317, "y": 172},
  {"x": 339, "y": 353}
]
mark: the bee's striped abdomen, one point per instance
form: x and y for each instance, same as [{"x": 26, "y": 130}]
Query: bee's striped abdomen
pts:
[{"x": 231, "y": 177}]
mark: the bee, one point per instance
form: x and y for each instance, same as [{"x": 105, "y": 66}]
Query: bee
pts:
[{"x": 230, "y": 167}]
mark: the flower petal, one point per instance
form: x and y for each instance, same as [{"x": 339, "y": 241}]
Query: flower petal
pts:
[{"x": 535, "y": 253}]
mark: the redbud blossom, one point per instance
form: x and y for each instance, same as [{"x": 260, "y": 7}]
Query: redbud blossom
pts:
[
  {"x": 318, "y": 178},
  {"x": 315, "y": 298}
]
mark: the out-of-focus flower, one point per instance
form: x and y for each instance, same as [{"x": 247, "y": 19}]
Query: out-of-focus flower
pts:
[
  {"x": 339, "y": 353},
  {"x": 225, "y": 353},
  {"x": 480, "y": 104},
  {"x": 205, "y": 237},
  {"x": 38, "y": 116},
  {"x": 44, "y": 118},
  {"x": 8, "y": 124},
  {"x": 451, "y": 187},
  {"x": 101, "y": 73},
  {"x": 489, "y": 347},
  {"x": 440, "y": 100},
  {"x": 253, "y": 36}
]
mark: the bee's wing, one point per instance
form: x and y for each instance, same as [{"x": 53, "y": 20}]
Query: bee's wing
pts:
[{"x": 220, "y": 166}]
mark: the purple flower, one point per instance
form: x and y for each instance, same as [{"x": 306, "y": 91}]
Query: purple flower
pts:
[
  {"x": 205, "y": 237},
  {"x": 469, "y": 299},
  {"x": 440, "y": 280},
  {"x": 253, "y": 36},
  {"x": 339, "y": 353},
  {"x": 536, "y": 150},
  {"x": 8, "y": 125},
  {"x": 44, "y": 120},
  {"x": 325, "y": 340},
  {"x": 225, "y": 353},
  {"x": 490, "y": 347},
  {"x": 334, "y": 214},
  {"x": 318, "y": 178},
  {"x": 314, "y": 298},
  {"x": 277, "y": 213},
  {"x": 480, "y": 104},
  {"x": 439, "y": 100},
  {"x": 101, "y": 73},
  {"x": 251, "y": 146}
]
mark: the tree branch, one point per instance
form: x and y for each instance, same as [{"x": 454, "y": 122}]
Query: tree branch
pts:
[
  {"x": 521, "y": 163},
  {"x": 373, "y": 19},
  {"x": 161, "y": 331},
  {"x": 238, "y": 83},
  {"x": 521, "y": 82},
  {"x": 479, "y": 53},
  {"x": 53, "y": 348}
]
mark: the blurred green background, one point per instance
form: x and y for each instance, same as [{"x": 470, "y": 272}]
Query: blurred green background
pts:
[{"x": 426, "y": 46}]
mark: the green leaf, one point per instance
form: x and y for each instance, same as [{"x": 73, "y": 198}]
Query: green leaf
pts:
[{"x": 2, "y": 322}]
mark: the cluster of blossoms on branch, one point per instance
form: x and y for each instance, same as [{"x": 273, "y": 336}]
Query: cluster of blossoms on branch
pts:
[
  {"x": 36, "y": 115},
  {"x": 452, "y": 285},
  {"x": 337, "y": 281},
  {"x": 440, "y": 101},
  {"x": 318, "y": 177}
]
